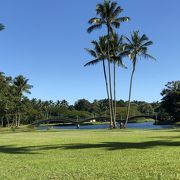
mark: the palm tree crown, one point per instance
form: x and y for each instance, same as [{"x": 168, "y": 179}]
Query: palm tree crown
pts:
[
  {"x": 138, "y": 46},
  {"x": 21, "y": 85},
  {"x": 108, "y": 13},
  {"x": 99, "y": 52}
]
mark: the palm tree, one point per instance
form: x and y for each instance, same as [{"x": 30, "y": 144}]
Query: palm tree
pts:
[
  {"x": 137, "y": 47},
  {"x": 117, "y": 53},
  {"x": 108, "y": 13},
  {"x": 21, "y": 86},
  {"x": 100, "y": 54}
]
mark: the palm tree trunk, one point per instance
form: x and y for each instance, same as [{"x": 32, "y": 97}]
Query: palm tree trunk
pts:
[
  {"x": 16, "y": 120},
  {"x": 109, "y": 69},
  {"x": 107, "y": 90},
  {"x": 114, "y": 120},
  {"x": 2, "y": 121},
  {"x": 129, "y": 101},
  {"x": 19, "y": 120}
]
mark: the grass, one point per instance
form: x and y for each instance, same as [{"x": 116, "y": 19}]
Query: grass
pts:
[{"x": 89, "y": 154}]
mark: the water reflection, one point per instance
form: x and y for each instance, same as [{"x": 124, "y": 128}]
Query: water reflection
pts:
[{"x": 145, "y": 125}]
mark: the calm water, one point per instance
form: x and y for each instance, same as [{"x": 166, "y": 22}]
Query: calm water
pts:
[{"x": 145, "y": 125}]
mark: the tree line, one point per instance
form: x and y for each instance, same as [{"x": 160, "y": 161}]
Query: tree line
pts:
[{"x": 16, "y": 108}]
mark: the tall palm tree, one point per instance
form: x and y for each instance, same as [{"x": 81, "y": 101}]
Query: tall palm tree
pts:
[
  {"x": 20, "y": 86},
  {"x": 137, "y": 47},
  {"x": 117, "y": 53},
  {"x": 100, "y": 54},
  {"x": 108, "y": 15}
]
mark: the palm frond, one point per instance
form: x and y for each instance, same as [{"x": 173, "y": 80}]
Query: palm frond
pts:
[
  {"x": 94, "y": 20},
  {"x": 117, "y": 11},
  {"x": 91, "y": 52},
  {"x": 143, "y": 38},
  {"x": 147, "y": 44},
  {"x": 93, "y": 27},
  {"x": 93, "y": 62},
  {"x": 112, "y": 7},
  {"x": 147, "y": 56},
  {"x": 123, "y": 19},
  {"x": 1, "y": 27},
  {"x": 128, "y": 40}
]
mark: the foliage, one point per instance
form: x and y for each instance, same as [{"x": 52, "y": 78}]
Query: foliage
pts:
[{"x": 171, "y": 100}]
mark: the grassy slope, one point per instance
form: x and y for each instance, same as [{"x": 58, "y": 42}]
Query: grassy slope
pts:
[{"x": 82, "y": 154}]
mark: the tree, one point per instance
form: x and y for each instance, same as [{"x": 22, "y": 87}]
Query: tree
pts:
[
  {"x": 20, "y": 86},
  {"x": 108, "y": 15},
  {"x": 146, "y": 108},
  {"x": 99, "y": 52},
  {"x": 83, "y": 105},
  {"x": 171, "y": 99},
  {"x": 137, "y": 47},
  {"x": 117, "y": 53}
]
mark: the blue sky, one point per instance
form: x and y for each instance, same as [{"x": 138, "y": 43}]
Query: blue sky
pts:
[{"x": 45, "y": 39}]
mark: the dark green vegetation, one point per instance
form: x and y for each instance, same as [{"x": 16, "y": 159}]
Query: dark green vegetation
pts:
[
  {"x": 113, "y": 49},
  {"x": 17, "y": 109},
  {"x": 170, "y": 106},
  {"x": 117, "y": 154}
]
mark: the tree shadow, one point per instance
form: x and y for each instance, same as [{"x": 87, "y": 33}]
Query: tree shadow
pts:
[
  {"x": 10, "y": 149},
  {"x": 166, "y": 137},
  {"x": 110, "y": 146}
]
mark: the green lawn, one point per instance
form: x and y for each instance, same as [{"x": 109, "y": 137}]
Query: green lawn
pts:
[{"x": 90, "y": 154}]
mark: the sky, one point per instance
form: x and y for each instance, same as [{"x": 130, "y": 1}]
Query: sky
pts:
[{"x": 44, "y": 40}]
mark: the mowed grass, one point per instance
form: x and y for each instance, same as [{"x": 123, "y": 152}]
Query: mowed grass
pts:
[{"x": 90, "y": 154}]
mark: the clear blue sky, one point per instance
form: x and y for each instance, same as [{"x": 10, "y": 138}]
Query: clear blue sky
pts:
[{"x": 44, "y": 40}]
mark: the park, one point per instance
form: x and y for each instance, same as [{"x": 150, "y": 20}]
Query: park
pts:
[{"x": 89, "y": 90}]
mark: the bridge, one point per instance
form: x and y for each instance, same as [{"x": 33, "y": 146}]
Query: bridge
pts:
[{"x": 97, "y": 119}]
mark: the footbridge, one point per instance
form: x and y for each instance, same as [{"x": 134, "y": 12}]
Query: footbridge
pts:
[{"x": 86, "y": 120}]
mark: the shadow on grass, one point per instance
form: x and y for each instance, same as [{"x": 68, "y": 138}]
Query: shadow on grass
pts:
[
  {"x": 111, "y": 146},
  {"x": 10, "y": 149}
]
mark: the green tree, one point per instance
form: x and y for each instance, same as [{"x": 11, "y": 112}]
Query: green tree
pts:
[
  {"x": 108, "y": 14},
  {"x": 117, "y": 53},
  {"x": 137, "y": 47},
  {"x": 21, "y": 86},
  {"x": 146, "y": 108},
  {"x": 171, "y": 99},
  {"x": 99, "y": 52},
  {"x": 83, "y": 105}
]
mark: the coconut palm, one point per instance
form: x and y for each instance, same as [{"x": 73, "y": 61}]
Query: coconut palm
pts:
[
  {"x": 100, "y": 54},
  {"x": 108, "y": 15},
  {"x": 20, "y": 86},
  {"x": 117, "y": 53},
  {"x": 137, "y": 47}
]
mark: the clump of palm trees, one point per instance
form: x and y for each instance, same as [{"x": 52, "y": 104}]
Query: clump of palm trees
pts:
[{"x": 111, "y": 49}]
